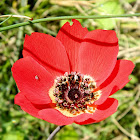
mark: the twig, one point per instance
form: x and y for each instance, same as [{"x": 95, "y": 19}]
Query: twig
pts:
[
  {"x": 37, "y": 4},
  {"x": 124, "y": 131},
  {"x": 72, "y": 2},
  {"x": 64, "y": 18},
  {"x": 84, "y": 13},
  {"x": 45, "y": 29},
  {"x": 135, "y": 7},
  {"x": 17, "y": 16},
  {"x": 5, "y": 19},
  {"x": 58, "y": 128},
  {"x": 129, "y": 50},
  {"x": 130, "y": 107}
]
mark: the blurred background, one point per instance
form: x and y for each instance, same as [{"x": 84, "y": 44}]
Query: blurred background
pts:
[{"x": 18, "y": 125}]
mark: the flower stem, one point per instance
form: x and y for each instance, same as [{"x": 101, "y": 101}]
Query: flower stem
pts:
[
  {"x": 58, "y": 128},
  {"x": 65, "y": 18}
]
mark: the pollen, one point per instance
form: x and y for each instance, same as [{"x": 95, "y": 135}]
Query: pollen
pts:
[{"x": 74, "y": 94}]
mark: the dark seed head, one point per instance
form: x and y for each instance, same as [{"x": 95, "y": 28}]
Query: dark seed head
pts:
[
  {"x": 74, "y": 94},
  {"x": 74, "y": 91}
]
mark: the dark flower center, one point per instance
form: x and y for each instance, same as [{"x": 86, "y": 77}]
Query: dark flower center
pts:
[{"x": 74, "y": 93}]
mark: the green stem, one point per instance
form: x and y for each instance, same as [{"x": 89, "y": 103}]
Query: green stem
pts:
[
  {"x": 5, "y": 20},
  {"x": 65, "y": 18}
]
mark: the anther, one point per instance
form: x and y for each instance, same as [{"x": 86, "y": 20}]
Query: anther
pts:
[
  {"x": 76, "y": 96},
  {"x": 60, "y": 101}
]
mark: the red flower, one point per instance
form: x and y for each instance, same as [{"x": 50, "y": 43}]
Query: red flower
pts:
[{"x": 68, "y": 79}]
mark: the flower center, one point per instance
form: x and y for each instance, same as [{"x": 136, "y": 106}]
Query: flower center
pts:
[{"x": 75, "y": 94}]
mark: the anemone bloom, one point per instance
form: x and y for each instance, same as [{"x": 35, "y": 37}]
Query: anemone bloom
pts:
[{"x": 68, "y": 79}]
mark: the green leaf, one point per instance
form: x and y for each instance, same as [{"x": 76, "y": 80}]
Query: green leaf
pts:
[
  {"x": 13, "y": 136},
  {"x": 109, "y": 7},
  {"x": 62, "y": 22},
  {"x": 134, "y": 80},
  {"x": 130, "y": 1},
  {"x": 67, "y": 133}
]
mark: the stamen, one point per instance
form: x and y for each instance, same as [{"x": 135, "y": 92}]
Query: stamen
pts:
[{"x": 74, "y": 94}]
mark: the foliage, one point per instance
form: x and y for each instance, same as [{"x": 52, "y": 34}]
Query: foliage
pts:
[{"x": 18, "y": 125}]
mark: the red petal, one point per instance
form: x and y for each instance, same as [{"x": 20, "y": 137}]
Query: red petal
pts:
[
  {"x": 33, "y": 79},
  {"x": 48, "y": 51},
  {"x": 98, "y": 54},
  {"x": 26, "y": 105},
  {"x": 71, "y": 37},
  {"x": 103, "y": 111},
  {"x": 54, "y": 116},
  {"x": 117, "y": 80}
]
